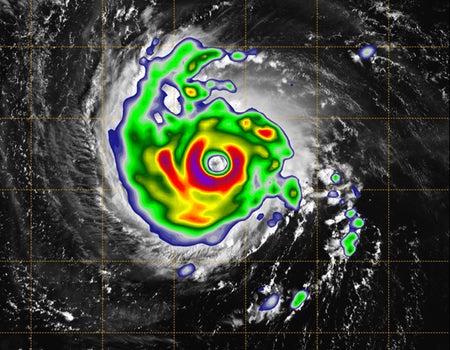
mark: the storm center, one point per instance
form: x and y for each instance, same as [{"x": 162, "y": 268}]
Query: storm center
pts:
[{"x": 217, "y": 163}]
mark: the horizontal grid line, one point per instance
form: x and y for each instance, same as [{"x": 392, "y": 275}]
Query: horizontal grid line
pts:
[
  {"x": 404, "y": 189},
  {"x": 100, "y": 47},
  {"x": 224, "y": 333},
  {"x": 94, "y": 189},
  {"x": 278, "y": 118},
  {"x": 145, "y": 261}
]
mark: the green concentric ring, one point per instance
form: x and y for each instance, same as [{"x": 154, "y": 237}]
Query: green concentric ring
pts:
[{"x": 211, "y": 153}]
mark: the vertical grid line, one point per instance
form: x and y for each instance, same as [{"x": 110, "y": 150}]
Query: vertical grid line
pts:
[
  {"x": 317, "y": 176},
  {"x": 245, "y": 241},
  {"x": 174, "y": 250},
  {"x": 389, "y": 174},
  {"x": 244, "y": 246},
  {"x": 174, "y": 17},
  {"x": 174, "y": 298},
  {"x": 245, "y": 26},
  {"x": 103, "y": 176},
  {"x": 244, "y": 251},
  {"x": 245, "y": 286},
  {"x": 30, "y": 101}
]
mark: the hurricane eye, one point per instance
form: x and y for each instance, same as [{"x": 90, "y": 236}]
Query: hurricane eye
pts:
[{"x": 217, "y": 163}]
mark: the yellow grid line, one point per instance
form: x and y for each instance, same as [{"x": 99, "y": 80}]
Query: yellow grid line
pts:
[
  {"x": 403, "y": 47},
  {"x": 174, "y": 249},
  {"x": 174, "y": 296},
  {"x": 130, "y": 47},
  {"x": 245, "y": 250},
  {"x": 96, "y": 189},
  {"x": 30, "y": 101},
  {"x": 389, "y": 174},
  {"x": 213, "y": 261},
  {"x": 102, "y": 286},
  {"x": 278, "y": 118},
  {"x": 317, "y": 175},
  {"x": 246, "y": 228},
  {"x": 245, "y": 26},
  {"x": 174, "y": 19},
  {"x": 227, "y": 333}
]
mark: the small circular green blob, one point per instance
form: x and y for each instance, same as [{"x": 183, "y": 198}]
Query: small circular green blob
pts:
[
  {"x": 299, "y": 299},
  {"x": 350, "y": 213},
  {"x": 358, "y": 222},
  {"x": 350, "y": 249},
  {"x": 238, "y": 56}
]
